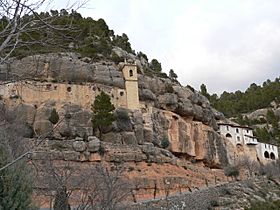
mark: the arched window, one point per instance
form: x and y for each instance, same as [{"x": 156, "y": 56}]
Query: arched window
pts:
[
  {"x": 130, "y": 73},
  {"x": 266, "y": 154},
  {"x": 272, "y": 156},
  {"x": 228, "y": 135}
]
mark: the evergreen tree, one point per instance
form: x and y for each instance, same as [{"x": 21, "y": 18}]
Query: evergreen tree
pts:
[
  {"x": 122, "y": 42},
  {"x": 102, "y": 109},
  {"x": 203, "y": 91},
  {"x": 155, "y": 65},
  {"x": 15, "y": 184},
  {"x": 172, "y": 74}
]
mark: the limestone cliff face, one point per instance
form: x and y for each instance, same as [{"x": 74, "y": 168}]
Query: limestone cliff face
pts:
[{"x": 69, "y": 84}]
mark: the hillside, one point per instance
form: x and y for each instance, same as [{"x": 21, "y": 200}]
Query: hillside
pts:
[
  {"x": 257, "y": 107},
  {"x": 162, "y": 138}
]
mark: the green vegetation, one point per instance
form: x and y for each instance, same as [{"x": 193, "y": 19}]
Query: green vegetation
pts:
[
  {"x": 121, "y": 114},
  {"x": 54, "y": 118},
  {"x": 232, "y": 171},
  {"x": 71, "y": 32},
  {"x": 169, "y": 88},
  {"x": 102, "y": 109},
  {"x": 165, "y": 142},
  {"x": 172, "y": 74},
  {"x": 155, "y": 65},
  {"x": 15, "y": 184},
  {"x": 255, "y": 97},
  {"x": 268, "y": 205}
]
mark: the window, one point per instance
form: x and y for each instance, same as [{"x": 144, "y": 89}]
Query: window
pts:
[
  {"x": 266, "y": 154},
  {"x": 228, "y": 135},
  {"x": 247, "y": 131},
  {"x": 238, "y": 138},
  {"x": 237, "y": 130},
  {"x": 130, "y": 73},
  {"x": 121, "y": 93},
  {"x": 68, "y": 89},
  {"x": 272, "y": 156},
  {"x": 227, "y": 128}
]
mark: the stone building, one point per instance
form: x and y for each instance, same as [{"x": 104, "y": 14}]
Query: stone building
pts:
[{"x": 242, "y": 136}]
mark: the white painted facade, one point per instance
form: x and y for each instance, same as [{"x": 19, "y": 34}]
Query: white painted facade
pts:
[
  {"x": 242, "y": 135},
  {"x": 237, "y": 134},
  {"x": 267, "y": 151}
]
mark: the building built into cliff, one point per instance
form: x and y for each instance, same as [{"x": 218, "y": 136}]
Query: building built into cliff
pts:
[{"x": 242, "y": 136}]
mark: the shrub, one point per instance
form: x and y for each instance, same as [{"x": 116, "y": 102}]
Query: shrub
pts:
[
  {"x": 191, "y": 88},
  {"x": 101, "y": 151},
  {"x": 169, "y": 88},
  {"x": 54, "y": 118},
  {"x": 269, "y": 205},
  {"x": 232, "y": 171},
  {"x": 165, "y": 142},
  {"x": 162, "y": 75},
  {"x": 117, "y": 59},
  {"x": 121, "y": 114}
]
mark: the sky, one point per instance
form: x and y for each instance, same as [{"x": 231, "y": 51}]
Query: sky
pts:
[{"x": 225, "y": 44}]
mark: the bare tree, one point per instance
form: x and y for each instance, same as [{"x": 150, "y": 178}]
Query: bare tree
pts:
[
  {"x": 249, "y": 165},
  {"x": 271, "y": 170},
  {"x": 87, "y": 189},
  {"x": 21, "y": 17},
  {"x": 106, "y": 189}
]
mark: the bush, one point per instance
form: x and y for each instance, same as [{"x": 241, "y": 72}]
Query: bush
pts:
[
  {"x": 122, "y": 114},
  {"x": 117, "y": 59},
  {"x": 169, "y": 88},
  {"x": 54, "y": 118},
  {"x": 101, "y": 151},
  {"x": 165, "y": 142},
  {"x": 269, "y": 205},
  {"x": 232, "y": 171}
]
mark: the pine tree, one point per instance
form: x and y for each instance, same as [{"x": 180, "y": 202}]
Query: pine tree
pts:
[
  {"x": 15, "y": 184},
  {"x": 102, "y": 109},
  {"x": 155, "y": 65},
  {"x": 172, "y": 74}
]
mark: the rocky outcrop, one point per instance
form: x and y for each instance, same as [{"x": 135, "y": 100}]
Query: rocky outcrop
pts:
[
  {"x": 256, "y": 115},
  {"x": 70, "y": 68},
  {"x": 195, "y": 140},
  {"x": 65, "y": 67},
  {"x": 187, "y": 138}
]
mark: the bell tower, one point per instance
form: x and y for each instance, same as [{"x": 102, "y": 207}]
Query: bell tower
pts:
[{"x": 131, "y": 85}]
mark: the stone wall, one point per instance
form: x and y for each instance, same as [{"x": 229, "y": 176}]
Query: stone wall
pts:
[{"x": 37, "y": 93}]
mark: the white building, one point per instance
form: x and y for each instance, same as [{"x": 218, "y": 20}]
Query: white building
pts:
[
  {"x": 267, "y": 151},
  {"x": 243, "y": 136}
]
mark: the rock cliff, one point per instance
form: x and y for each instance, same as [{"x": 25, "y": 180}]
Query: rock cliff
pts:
[{"x": 67, "y": 85}]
